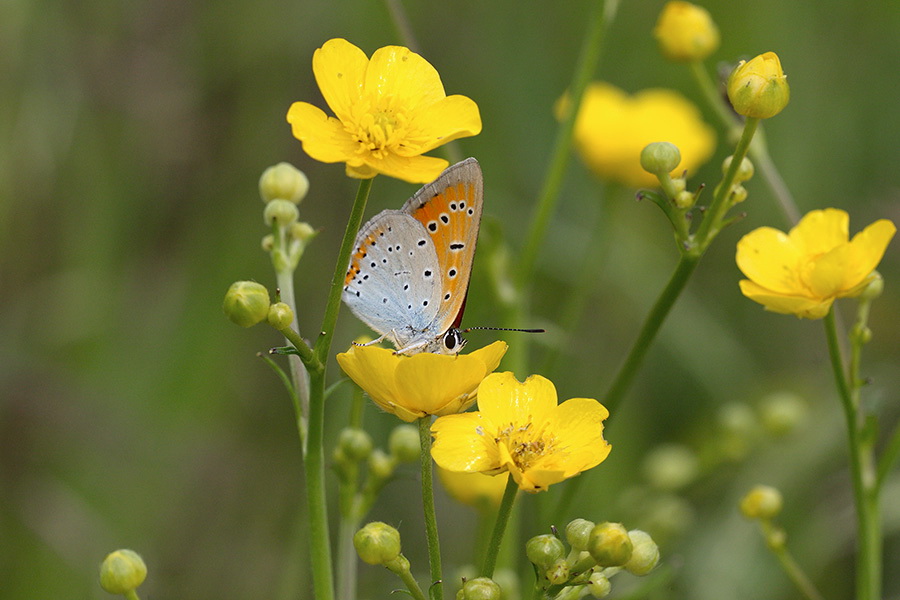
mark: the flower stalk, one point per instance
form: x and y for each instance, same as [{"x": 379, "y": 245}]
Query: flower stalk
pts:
[
  {"x": 503, "y": 513},
  {"x": 436, "y": 590}
]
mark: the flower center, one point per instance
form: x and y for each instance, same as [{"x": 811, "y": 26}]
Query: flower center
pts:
[
  {"x": 379, "y": 132},
  {"x": 526, "y": 446}
]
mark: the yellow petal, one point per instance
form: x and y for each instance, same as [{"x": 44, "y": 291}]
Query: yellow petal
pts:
[
  {"x": 820, "y": 231},
  {"x": 579, "y": 426},
  {"x": 538, "y": 480},
  {"x": 869, "y": 246},
  {"x": 504, "y": 400},
  {"x": 809, "y": 308},
  {"x": 474, "y": 489},
  {"x": 827, "y": 275},
  {"x": 340, "y": 69},
  {"x": 429, "y": 382},
  {"x": 323, "y": 137},
  {"x": 446, "y": 120},
  {"x": 464, "y": 442},
  {"x": 372, "y": 369},
  {"x": 770, "y": 258},
  {"x": 491, "y": 355},
  {"x": 414, "y": 169},
  {"x": 402, "y": 76}
]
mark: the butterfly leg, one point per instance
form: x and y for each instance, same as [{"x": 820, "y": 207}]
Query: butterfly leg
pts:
[
  {"x": 373, "y": 342},
  {"x": 407, "y": 349}
]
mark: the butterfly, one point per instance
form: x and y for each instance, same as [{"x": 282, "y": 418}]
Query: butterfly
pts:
[{"x": 409, "y": 273}]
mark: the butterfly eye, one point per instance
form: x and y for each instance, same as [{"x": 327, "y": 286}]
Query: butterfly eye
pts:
[{"x": 453, "y": 340}]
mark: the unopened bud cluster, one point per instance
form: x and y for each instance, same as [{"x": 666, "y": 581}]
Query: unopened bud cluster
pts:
[
  {"x": 282, "y": 187},
  {"x": 597, "y": 552}
]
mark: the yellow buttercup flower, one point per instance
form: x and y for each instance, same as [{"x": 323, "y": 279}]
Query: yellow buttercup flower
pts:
[
  {"x": 475, "y": 489},
  {"x": 613, "y": 128},
  {"x": 759, "y": 88},
  {"x": 803, "y": 271},
  {"x": 521, "y": 429},
  {"x": 686, "y": 32},
  {"x": 390, "y": 110},
  {"x": 411, "y": 387}
]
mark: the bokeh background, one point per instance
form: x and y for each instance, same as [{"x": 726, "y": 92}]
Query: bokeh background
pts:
[{"x": 133, "y": 414}]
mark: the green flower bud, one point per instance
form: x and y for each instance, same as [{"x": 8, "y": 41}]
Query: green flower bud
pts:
[
  {"x": 873, "y": 289},
  {"x": 303, "y": 232},
  {"x": 660, "y": 158},
  {"x": 578, "y": 532},
  {"x": 404, "y": 443},
  {"x": 684, "y": 200},
  {"x": 544, "y": 550},
  {"x": 246, "y": 303},
  {"x": 670, "y": 467},
  {"x": 283, "y": 181},
  {"x": 610, "y": 545},
  {"x": 759, "y": 88},
  {"x": 381, "y": 466},
  {"x": 745, "y": 171},
  {"x": 122, "y": 571},
  {"x": 762, "y": 502},
  {"x": 377, "y": 543},
  {"x": 599, "y": 586},
  {"x": 281, "y": 212},
  {"x": 782, "y": 412},
  {"x": 480, "y": 588},
  {"x": 280, "y": 315},
  {"x": 558, "y": 573},
  {"x": 645, "y": 554},
  {"x": 355, "y": 443},
  {"x": 267, "y": 243},
  {"x": 738, "y": 194}
]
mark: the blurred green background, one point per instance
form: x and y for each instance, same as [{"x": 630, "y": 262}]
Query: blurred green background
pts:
[{"x": 133, "y": 414}]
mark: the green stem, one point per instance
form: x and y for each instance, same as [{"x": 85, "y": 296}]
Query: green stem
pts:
[
  {"x": 411, "y": 584},
  {"x": 509, "y": 497},
  {"x": 314, "y": 460},
  {"x": 295, "y": 400},
  {"x": 868, "y": 569},
  {"x": 333, "y": 305},
  {"x": 436, "y": 590},
  {"x": 712, "y": 220},
  {"x": 346, "y": 558},
  {"x": 131, "y": 595},
  {"x": 758, "y": 151},
  {"x": 549, "y": 196},
  {"x": 686, "y": 265},
  {"x": 888, "y": 458},
  {"x": 299, "y": 374},
  {"x": 306, "y": 353},
  {"x": 791, "y": 567}
]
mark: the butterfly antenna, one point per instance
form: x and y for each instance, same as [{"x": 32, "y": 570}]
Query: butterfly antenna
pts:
[{"x": 468, "y": 329}]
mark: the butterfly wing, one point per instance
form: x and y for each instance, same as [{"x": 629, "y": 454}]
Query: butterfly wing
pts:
[
  {"x": 449, "y": 210},
  {"x": 392, "y": 284}
]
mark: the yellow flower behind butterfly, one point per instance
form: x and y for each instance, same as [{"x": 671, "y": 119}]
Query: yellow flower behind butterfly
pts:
[
  {"x": 612, "y": 128},
  {"x": 389, "y": 110},
  {"x": 802, "y": 272},
  {"x": 520, "y": 428},
  {"x": 412, "y": 387}
]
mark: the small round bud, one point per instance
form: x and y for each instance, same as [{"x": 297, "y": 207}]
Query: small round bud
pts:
[
  {"x": 610, "y": 545},
  {"x": 558, "y": 573},
  {"x": 745, "y": 171},
  {"x": 381, "y": 466},
  {"x": 670, "y": 467},
  {"x": 122, "y": 571},
  {"x": 404, "y": 443},
  {"x": 738, "y": 194},
  {"x": 762, "y": 502},
  {"x": 660, "y": 158},
  {"x": 355, "y": 443},
  {"x": 686, "y": 32},
  {"x": 283, "y": 181},
  {"x": 280, "y": 315},
  {"x": 599, "y": 586},
  {"x": 578, "y": 532},
  {"x": 861, "y": 334},
  {"x": 268, "y": 243},
  {"x": 246, "y": 303},
  {"x": 873, "y": 289},
  {"x": 281, "y": 212},
  {"x": 377, "y": 543},
  {"x": 544, "y": 550},
  {"x": 480, "y": 588},
  {"x": 303, "y": 232},
  {"x": 685, "y": 199},
  {"x": 645, "y": 554},
  {"x": 759, "y": 88},
  {"x": 782, "y": 412}
]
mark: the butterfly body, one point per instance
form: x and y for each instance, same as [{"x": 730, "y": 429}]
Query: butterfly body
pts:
[{"x": 409, "y": 272}]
